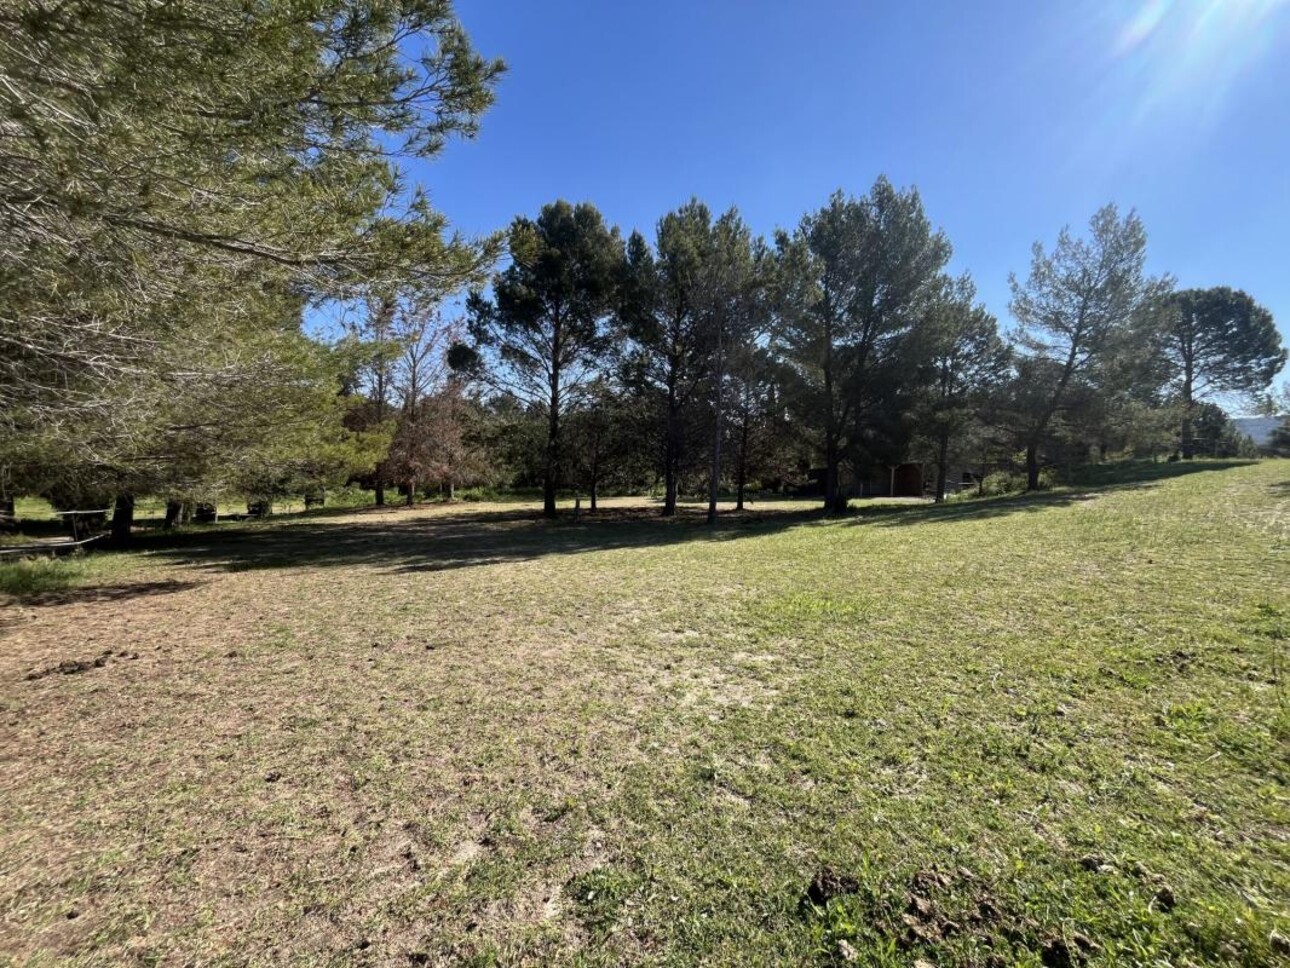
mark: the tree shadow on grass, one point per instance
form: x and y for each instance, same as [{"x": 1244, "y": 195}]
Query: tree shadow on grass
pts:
[
  {"x": 100, "y": 593},
  {"x": 453, "y": 537},
  {"x": 973, "y": 509},
  {"x": 1089, "y": 485}
]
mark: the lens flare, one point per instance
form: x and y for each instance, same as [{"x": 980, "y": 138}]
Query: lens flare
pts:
[
  {"x": 1143, "y": 24},
  {"x": 1190, "y": 52}
]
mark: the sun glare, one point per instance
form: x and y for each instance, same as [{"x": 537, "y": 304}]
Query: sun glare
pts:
[{"x": 1194, "y": 50}]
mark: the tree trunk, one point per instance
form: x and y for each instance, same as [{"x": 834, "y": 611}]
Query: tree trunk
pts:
[
  {"x": 1032, "y": 467},
  {"x": 380, "y": 494},
  {"x": 594, "y": 488},
  {"x": 835, "y": 502},
  {"x": 671, "y": 446},
  {"x": 669, "y": 490},
  {"x": 831, "y": 492},
  {"x": 452, "y": 491},
  {"x": 942, "y": 458},
  {"x": 122, "y": 520},
  {"x": 714, "y": 481},
  {"x": 412, "y": 492},
  {"x": 1041, "y": 428},
  {"x": 550, "y": 476},
  {"x": 741, "y": 472},
  {"x": 1188, "y": 438},
  {"x": 174, "y": 514}
]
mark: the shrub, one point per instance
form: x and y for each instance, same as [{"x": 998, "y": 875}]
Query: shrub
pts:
[
  {"x": 1003, "y": 482},
  {"x": 1014, "y": 482}
]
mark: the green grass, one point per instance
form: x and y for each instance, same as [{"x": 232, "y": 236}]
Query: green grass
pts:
[
  {"x": 28, "y": 577},
  {"x": 42, "y": 577},
  {"x": 1034, "y": 730}
]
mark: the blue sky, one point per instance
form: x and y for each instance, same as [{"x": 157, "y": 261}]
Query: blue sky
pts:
[{"x": 1012, "y": 119}]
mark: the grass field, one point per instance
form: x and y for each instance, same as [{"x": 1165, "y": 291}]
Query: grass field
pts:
[{"x": 1033, "y": 731}]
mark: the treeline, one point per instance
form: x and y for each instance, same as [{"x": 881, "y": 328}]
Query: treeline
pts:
[
  {"x": 708, "y": 360},
  {"x": 185, "y": 186}
]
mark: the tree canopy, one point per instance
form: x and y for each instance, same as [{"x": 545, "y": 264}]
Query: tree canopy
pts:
[
  {"x": 547, "y": 321},
  {"x": 1217, "y": 342},
  {"x": 1077, "y": 302},
  {"x": 854, "y": 277},
  {"x": 182, "y": 179}
]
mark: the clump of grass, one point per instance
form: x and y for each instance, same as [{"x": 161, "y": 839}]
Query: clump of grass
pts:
[
  {"x": 799, "y": 607},
  {"x": 30, "y": 577}
]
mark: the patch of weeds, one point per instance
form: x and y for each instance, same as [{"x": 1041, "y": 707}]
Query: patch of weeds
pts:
[
  {"x": 599, "y": 895},
  {"x": 801, "y": 607},
  {"x": 557, "y": 811},
  {"x": 1186, "y": 718}
]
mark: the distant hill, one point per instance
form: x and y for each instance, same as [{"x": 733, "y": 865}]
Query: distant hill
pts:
[{"x": 1258, "y": 429}]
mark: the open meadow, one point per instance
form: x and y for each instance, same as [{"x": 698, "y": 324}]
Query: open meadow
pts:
[{"x": 1049, "y": 729}]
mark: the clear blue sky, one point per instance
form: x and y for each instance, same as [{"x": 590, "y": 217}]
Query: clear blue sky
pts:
[{"x": 1012, "y": 118}]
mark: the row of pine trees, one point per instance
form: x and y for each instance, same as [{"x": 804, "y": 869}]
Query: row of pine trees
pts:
[{"x": 708, "y": 358}]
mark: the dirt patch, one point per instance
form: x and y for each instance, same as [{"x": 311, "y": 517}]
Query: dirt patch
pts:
[
  {"x": 925, "y": 922},
  {"x": 467, "y": 851},
  {"x": 1180, "y": 659},
  {"x": 71, "y": 667},
  {"x": 1058, "y": 952},
  {"x": 942, "y": 905},
  {"x": 829, "y": 883},
  {"x": 937, "y": 906}
]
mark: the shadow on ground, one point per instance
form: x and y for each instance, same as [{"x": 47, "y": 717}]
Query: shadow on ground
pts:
[
  {"x": 1088, "y": 485},
  {"x": 394, "y": 541},
  {"x": 398, "y": 542},
  {"x": 125, "y": 591}
]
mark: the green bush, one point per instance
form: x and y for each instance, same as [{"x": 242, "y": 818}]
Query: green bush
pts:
[
  {"x": 1014, "y": 482},
  {"x": 481, "y": 493},
  {"x": 349, "y": 496},
  {"x": 1003, "y": 482}
]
